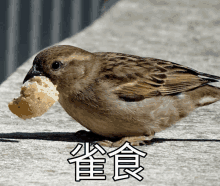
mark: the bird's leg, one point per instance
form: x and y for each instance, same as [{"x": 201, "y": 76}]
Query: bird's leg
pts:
[{"x": 134, "y": 141}]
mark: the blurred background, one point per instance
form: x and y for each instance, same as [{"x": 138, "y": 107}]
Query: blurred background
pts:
[{"x": 27, "y": 26}]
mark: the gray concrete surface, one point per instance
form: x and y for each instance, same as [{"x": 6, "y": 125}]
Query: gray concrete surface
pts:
[{"x": 35, "y": 151}]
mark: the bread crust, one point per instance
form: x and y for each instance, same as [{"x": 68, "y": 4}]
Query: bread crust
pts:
[{"x": 36, "y": 97}]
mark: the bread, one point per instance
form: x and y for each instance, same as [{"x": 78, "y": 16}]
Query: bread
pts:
[{"x": 37, "y": 96}]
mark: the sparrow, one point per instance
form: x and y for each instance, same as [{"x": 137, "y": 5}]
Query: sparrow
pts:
[{"x": 123, "y": 96}]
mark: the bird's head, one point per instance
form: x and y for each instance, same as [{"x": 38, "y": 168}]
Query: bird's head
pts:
[{"x": 62, "y": 64}]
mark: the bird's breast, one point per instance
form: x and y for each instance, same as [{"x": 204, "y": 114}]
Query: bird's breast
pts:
[{"x": 122, "y": 118}]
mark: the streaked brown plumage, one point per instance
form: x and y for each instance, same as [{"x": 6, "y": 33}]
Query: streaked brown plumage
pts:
[{"x": 121, "y": 95}]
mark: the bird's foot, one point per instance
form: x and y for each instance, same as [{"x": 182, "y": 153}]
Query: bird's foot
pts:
[{"x": 134, "y": 141}]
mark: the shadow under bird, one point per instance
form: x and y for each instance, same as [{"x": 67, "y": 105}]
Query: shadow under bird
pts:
[{"x": 123, "y": 96}]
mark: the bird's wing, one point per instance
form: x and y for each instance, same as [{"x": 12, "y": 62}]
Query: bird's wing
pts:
[{"x": 137, "y": 78}]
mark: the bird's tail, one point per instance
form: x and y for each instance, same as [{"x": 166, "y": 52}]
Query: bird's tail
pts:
[{"x": 205, "y": 95}]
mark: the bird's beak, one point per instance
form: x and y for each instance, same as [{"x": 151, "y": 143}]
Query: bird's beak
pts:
[{"x": 32, "y": 72}]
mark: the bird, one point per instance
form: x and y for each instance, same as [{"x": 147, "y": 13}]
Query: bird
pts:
[{"x": 122, "y": 96}]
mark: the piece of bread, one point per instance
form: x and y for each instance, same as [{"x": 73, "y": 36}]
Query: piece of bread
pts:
[{"x": 37, "y": 96}]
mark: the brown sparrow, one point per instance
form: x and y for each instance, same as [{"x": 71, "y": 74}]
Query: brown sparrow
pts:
[{"x": 121, "y": 95}]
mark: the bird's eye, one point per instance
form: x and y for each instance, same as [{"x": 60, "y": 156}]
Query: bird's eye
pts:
[{"x": 56, "y": 65}]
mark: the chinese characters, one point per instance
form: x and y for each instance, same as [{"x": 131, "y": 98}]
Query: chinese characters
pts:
[{"x": 126, "y": 159}]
